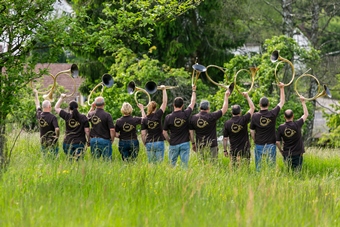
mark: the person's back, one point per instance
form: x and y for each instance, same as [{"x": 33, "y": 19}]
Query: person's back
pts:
[
  {"x": 48, "y": 125},
  {"x": 177, "y": 124},
  {"x": 204, "y": 124},
  {"x": 264, "y": 123},
  {"x": 289, "y": 134},
  {"x": 262, "y": 130},
  {"x": 235, "y": 133},
  {"x": 102, "y": 132}
]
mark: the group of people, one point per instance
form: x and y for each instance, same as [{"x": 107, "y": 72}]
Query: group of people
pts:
[{"x": 179, "y": 128}]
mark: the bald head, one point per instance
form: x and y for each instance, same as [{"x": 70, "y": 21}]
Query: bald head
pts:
[
  {"x": 289, "y": 114},
  {"x": 99, "y": 101}
]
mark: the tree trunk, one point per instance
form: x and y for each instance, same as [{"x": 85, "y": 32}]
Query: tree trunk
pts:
[
  {"x": 313, "y": 85},
  {"x": 287, "y": 13}
]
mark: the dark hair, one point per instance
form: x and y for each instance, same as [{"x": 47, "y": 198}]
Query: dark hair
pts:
[
  {"x": 236, "y": 109},
  {"x": 264, "y": 102},
  {"x": 178, "y": 102},
  {"x": 204, "y": 105},
  {"x": 289, "y": 114},
  {"x": 73, "y": 105}
]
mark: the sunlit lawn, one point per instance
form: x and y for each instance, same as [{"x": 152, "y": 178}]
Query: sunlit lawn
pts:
[{"x": 39, "y": 191}]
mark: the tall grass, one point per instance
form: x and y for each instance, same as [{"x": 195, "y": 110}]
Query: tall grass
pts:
[{"x": 41, "y": 191}]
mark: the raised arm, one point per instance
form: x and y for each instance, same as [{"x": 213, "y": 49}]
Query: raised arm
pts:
[
  {"x": 282, "y": 95},
  {"x": 225, "y": 102},
  {"x": 165, "y": 98},
  {"x": 305, "y": 110},
  {"x": 57, "y": 105},
  {"x": 193, "y": 97},
  {"x": 93, "y": 107},
  {"x": 141, "y": 107},
  {"x": 250, "y": 103}
]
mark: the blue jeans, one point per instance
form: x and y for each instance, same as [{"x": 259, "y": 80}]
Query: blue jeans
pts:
[
  {"x": 267, "y": 151},
  {"x": 128, "y": 149},
  {"x": 182, "y": 150},
  {"x": 101, "y": 147},
  {"x": 155, "y": 151},
  {"x": 74, "y": 151}
]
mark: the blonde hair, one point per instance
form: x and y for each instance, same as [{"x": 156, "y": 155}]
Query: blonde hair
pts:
[
  {"x": 126, "y": 109},
  {"x": 151, "y": 107}
]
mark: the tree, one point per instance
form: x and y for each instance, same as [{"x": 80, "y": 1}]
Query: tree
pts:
[
  {"x": 24, "y": 26},
  {"x": 265, "y": 81},
  {"x": 102, "y": 28}
]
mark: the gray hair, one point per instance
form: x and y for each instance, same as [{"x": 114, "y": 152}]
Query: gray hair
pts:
[
  {"x": 99, "y": 101},
  {"x": 46, "y": 104},
  {"x": 204, "y": 105}
]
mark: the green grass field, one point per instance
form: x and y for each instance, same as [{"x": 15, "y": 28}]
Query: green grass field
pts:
[{"x": 38, "y": 191}]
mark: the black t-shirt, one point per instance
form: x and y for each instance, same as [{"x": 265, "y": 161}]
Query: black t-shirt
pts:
[
  {"x": 75, "y": 132},
  {"x": 101, "y": 123},
  {"x": 263, "y": 123},
  {"x": 47, "y": 124},
  {"x": 204, "y": 125},
  {"x": 153, "y": 124},
  {"x": 237, "y": 130},
  {"x": 127, "y": 127},
  {"x": 178, "y": 124},
  {"x": 290, "y": 134}
]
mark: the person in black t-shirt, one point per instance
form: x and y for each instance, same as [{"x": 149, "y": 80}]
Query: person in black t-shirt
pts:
[
  {"x": 102, "y": 131},
  {"x": 48, "y": 124},
  {"x": 203, "y": 125},
  {"x": 236, "y": 133},
  {"x": 152, "y": 131},
  {"x": 77, "y": 133},
  {"x": 289, "y": 135},
  {"x": 262, "y": 130},
  {"x": 126, "y": 126},
  {"x": 177, "y": 124}
]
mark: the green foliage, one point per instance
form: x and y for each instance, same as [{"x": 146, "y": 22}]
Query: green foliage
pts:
[
  {"x": 332, "y": 139},
  {"x": 265, "y": 81},
  {"x": 24, "y": 27},
  {"x": 129, "y": 68},
  {"x": 102, "y": 28}
]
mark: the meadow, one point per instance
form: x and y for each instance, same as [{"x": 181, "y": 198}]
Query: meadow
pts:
[{"x": 40, "y": 191}]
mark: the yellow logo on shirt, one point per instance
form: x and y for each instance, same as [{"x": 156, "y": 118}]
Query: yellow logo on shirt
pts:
[
  {"x": 289, "y": 132},
  {"x": 42, "y": 123},
  {"x": 178, "y": 122},
  {"x": 201, "y": 123},
  {"x": 127, "y": 127},
  {"x": 95, "y": 120},
  {"x": 235, "y": 128},
  {"x": 73, "y": 123},
  {"x": 152, "y": 124},
  {"x": 264, "y": 121}
]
